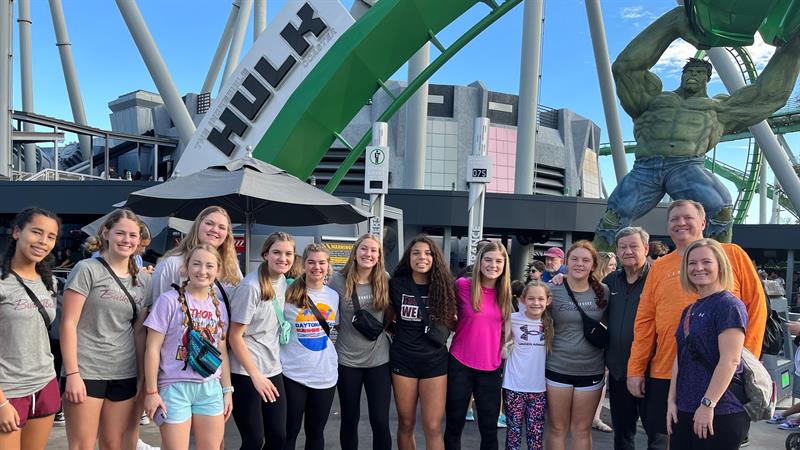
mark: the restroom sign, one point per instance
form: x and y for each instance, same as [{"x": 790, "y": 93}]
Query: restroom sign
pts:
[{"x": 376, "y": 170}]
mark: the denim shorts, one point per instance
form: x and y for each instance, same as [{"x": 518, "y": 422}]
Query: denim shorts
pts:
[{"x": 185, "y": 399}]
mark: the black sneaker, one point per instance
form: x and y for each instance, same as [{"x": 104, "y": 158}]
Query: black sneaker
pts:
[
  {"x": 59, "y": 419},
  {"x": 745, "y": 442}
]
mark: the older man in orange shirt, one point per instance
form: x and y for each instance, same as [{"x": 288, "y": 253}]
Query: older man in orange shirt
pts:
[{"x": 660, "y": 307}]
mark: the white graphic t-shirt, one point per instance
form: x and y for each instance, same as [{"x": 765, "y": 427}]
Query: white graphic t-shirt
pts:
[{"x": 310, "y": 357}]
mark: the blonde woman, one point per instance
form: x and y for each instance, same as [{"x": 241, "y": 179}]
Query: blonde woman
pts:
[
  {"x": 363, "y": 362},
  {"x": 212, "y": 227},
  {"x": 703, "y": 412}
]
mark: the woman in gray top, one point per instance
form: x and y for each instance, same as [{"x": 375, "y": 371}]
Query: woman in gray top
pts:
[
  {"x": 102, "y": 339},
  {"x": 29, "y": 395},
  {"x": 257, "y": 321},
  {"x": 363, "y": 362},
  {"x": 574, "y": 368}
]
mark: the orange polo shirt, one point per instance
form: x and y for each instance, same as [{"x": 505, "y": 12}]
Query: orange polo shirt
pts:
[{"x": 663, "y": 300}]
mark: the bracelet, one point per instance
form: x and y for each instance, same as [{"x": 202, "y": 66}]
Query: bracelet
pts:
[
  {"x": 4, "y": 403},
  {"x": 72, "y": 373},
  {"x": 226, "y": 390},
  {"x": 152, "y": 393}
]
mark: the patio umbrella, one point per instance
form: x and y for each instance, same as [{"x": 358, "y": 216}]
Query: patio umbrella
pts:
[
  {"x": 252, "y": 191},
  {"x": 155, "y": 224}
]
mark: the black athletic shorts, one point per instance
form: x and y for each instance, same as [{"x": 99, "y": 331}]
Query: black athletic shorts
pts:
[
  {"x": 413, "y": 366},
  {"x": 114, "y": 390}
]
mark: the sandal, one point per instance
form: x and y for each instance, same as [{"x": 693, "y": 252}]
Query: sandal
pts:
[{"x": 601, "y": 426}]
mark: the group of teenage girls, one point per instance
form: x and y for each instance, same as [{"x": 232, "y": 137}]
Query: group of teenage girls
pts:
[{"x": 125, "y": 343}]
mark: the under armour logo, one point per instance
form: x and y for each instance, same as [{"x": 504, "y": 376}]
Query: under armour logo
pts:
[{"x": 526, "y": 332}]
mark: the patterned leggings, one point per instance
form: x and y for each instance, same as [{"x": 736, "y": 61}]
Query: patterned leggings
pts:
[{"x": 529, "y": 406}]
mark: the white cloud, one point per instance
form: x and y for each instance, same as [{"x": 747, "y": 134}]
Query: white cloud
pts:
[
  {"x": 673, "y": 59},
  {"x": 635, "y": 13}
]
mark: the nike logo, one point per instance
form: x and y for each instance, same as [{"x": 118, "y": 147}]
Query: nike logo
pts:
[{"x": 614, "y": 293}]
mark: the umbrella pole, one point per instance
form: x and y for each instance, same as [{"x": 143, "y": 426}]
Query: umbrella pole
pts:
[{"x": 247, "y": 233}]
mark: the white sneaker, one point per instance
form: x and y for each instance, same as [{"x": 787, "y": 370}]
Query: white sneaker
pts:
[
  {"x": 144, "y": 446},
  {"x": 144, "y": 420}
]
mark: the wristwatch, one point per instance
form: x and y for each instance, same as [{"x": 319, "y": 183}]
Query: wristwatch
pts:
[{"x": 707, "y": 402}]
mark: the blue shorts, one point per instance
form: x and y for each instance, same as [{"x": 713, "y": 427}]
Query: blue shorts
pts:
[{"x": 185, "y": 399}]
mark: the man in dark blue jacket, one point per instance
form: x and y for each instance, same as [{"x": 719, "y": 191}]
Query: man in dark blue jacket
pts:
[{"x": 625, "y": 286}]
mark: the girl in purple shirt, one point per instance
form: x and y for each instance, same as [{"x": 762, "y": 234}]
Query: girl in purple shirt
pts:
[
  {"x": 188, "y": 400},
  {"x": 703, "y": 411},
  {"x": 484, "y": 305}
]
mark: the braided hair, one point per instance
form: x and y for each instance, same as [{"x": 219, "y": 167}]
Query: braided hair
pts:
[
  {"x": 44, "y": 267},
  {"x": 297, "y": 293},
  {"x": 594, "y": 283},
  {"x": 220, "y": 325}
]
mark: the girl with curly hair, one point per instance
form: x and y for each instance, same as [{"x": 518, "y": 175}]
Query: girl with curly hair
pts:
[{"x": 423, "y": 300}]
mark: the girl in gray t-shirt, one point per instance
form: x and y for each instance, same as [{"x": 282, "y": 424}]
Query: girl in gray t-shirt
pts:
[
  {"x": 574, "y": 367},
  {"x": 363, "y": 363},
  {"x": 29, "y": 395},
  {"x": 256, "y": 322},
  {"x": 102, "y": 337}
]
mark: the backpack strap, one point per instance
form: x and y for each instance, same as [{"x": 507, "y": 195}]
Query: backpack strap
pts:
[
  {"x": 224, "y": 298},
  {"x": 35, "y": 300},
  {"x": 102, "y": 261}
]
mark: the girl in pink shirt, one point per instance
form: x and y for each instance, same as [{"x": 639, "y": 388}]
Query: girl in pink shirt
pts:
[{"x": 484, "y": 305}]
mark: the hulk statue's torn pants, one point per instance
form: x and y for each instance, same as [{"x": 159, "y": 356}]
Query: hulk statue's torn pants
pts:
[{"x": 683, "y": 178}]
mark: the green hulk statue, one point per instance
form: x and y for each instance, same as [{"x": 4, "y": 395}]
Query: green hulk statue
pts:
[{"x": 674, "y": 130}]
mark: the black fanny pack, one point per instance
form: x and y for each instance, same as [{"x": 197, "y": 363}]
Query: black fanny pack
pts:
[
  {"x": 364, "y": 322},
  {"x": 594, "y": 331}
]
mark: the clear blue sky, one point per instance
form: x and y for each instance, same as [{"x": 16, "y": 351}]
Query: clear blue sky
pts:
[{"x": 187, "y": 33}]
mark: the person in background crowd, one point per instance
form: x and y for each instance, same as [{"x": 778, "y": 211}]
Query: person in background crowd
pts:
[
  {"x": 660, "y": 307},
  {"x": 102, "y": 341},
  {"x": 29, "y": 396},
  {"x": 554, "y": 264},
  {"x": 423, "y": 300},
  {"x": 657, "y": 250},
  {"x": 703, "y": 413},
  {"x": 607, "y": 264},
  {"x": 516, "y": 291},
  {"x": 309, "y": 358},
  {"x": 574, "y": 368},
  {"x": 213, "y": 227},
  {"x": 256, "y": 371},
  {"x": 535, "y": 270},
  {"x": 625, "y": 287},
  {"x": 528, "y": 338},
  {"x": 363, "y": 363},
  {"x": 484, "y": 305},
  {"x": 193, "y": 402}
]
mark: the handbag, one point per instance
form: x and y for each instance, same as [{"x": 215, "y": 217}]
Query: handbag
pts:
[
  {"x": 203, "y": 356},
  {"x": 39, "y": 306},
  {"x": 435, "y": 331},
  {"x": 284, "y": 327},
  {"x": 364, "y": 322},
  {"x": 594, "y": 331},
  {"x": 102, "y": 261}
]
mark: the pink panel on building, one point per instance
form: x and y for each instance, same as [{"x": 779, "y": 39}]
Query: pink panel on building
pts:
[{"x": 502, "y": 149}]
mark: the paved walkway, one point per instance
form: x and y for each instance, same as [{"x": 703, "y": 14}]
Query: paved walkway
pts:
[{"x": 762, "y": 435}]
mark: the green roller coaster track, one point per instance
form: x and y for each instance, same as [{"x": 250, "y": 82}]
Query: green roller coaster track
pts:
[{"x": 366, "y": 54}]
